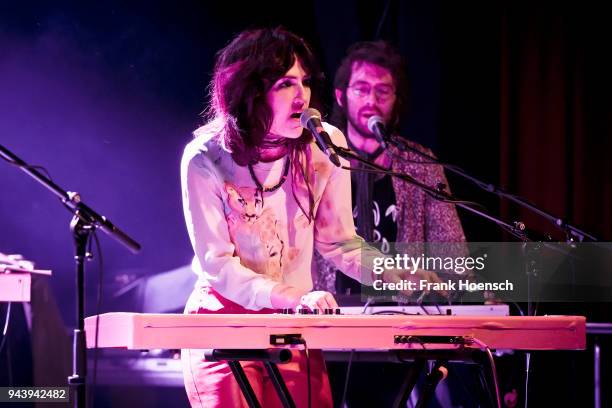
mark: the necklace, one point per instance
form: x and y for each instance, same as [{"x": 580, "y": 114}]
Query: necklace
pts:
[{"x": 275, "y": 187}]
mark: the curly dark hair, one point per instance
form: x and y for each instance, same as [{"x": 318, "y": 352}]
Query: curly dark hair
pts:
[
  {"x": 244, "y": 72},
  {"x": 382, "y": 54}
]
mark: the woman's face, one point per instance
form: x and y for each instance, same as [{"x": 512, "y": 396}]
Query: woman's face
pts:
[{"x": 288, "y": 98}]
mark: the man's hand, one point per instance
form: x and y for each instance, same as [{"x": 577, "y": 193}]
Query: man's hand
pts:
[{"x": 398, "y": 275}]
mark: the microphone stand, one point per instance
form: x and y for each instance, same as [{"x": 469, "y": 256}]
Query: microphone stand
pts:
[
  {"x": 517, "y": 228},
  {"x": 439, "y": 194},
  {"x": 84, "y": 222},
  {"x": 569, "y": 230}
]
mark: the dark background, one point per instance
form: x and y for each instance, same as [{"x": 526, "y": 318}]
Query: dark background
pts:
[{"x": 105, "y": 95}]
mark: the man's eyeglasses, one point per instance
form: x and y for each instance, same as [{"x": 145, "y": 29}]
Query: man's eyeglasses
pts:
[{"x": 381, "y": 92}]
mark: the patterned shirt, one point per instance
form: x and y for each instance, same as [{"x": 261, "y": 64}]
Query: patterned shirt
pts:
[{"x": 420, "y": 218}]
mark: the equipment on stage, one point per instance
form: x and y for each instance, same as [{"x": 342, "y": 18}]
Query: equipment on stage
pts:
[
  {"x": 15, "y": 287},
  {"x": 448, "y": 310},
  {"x": 261, "y": 331},
  {"x": 161, "y": 367},
  {"x": 15, "y": 278},
  {"x": 419, "y": 338}
]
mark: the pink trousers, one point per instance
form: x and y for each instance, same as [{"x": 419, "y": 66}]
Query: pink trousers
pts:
[{"x": 212, "y": 384}]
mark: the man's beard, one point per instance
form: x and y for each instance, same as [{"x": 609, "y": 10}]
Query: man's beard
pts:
[{"x": 363, "y": 133}]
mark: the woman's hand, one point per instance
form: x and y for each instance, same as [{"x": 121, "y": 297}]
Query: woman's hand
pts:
[
  {"x": 283, "y": 297},
  {"x": 318, "y": 300}
]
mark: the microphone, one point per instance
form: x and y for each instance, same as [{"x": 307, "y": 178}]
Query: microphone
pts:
[
  {"x": 311, "y": 120},
  {"x": 376, "y": 125}
]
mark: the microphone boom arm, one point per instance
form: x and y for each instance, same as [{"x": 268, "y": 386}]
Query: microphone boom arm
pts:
[
  {"x": 441, "y": 195},
  {"x": 491, "y": 188}
]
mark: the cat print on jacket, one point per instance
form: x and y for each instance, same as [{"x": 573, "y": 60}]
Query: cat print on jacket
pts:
[{"x": 253, "y": 230}]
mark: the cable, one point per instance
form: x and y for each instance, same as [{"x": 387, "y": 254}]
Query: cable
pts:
[
  {"x": 367, "y": 304},
  {"x": 487, "y": 350},
  {"x": 98, "y": 308},
  {"x": 518, "y": 307},
  {"x": 416, "y": 340},
  {"x": 28, "y": 167},
  {"x": 383, "y": 18},
  {"x": 393, "y": 312},
  {"x": 527, "y": 367},
  {"x": 350, "y": 360},
  {"x": 6, "y": 324},
  {"x": 420, "y": 304},
  {"x": 495, "y": 380},
  {"x": 346, "y": 379},
  {"x": 4, "y": 342}
]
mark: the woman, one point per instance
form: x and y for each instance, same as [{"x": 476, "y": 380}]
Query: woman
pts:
[{"x": 259, "y": 197}]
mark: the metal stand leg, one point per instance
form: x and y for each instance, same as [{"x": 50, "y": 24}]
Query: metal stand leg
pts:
[
  {"x": 279, "y": 385},
  {"x": 437, "y": 373},
  {"x": 409, "y": 382},
  {"x": 244, "y": 384},
  {"x": 269, "y": 357},
  {"x": 597, "y": 373}
]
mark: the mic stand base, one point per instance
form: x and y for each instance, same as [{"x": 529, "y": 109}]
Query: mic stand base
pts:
[{"x": 76, "y": 381}]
